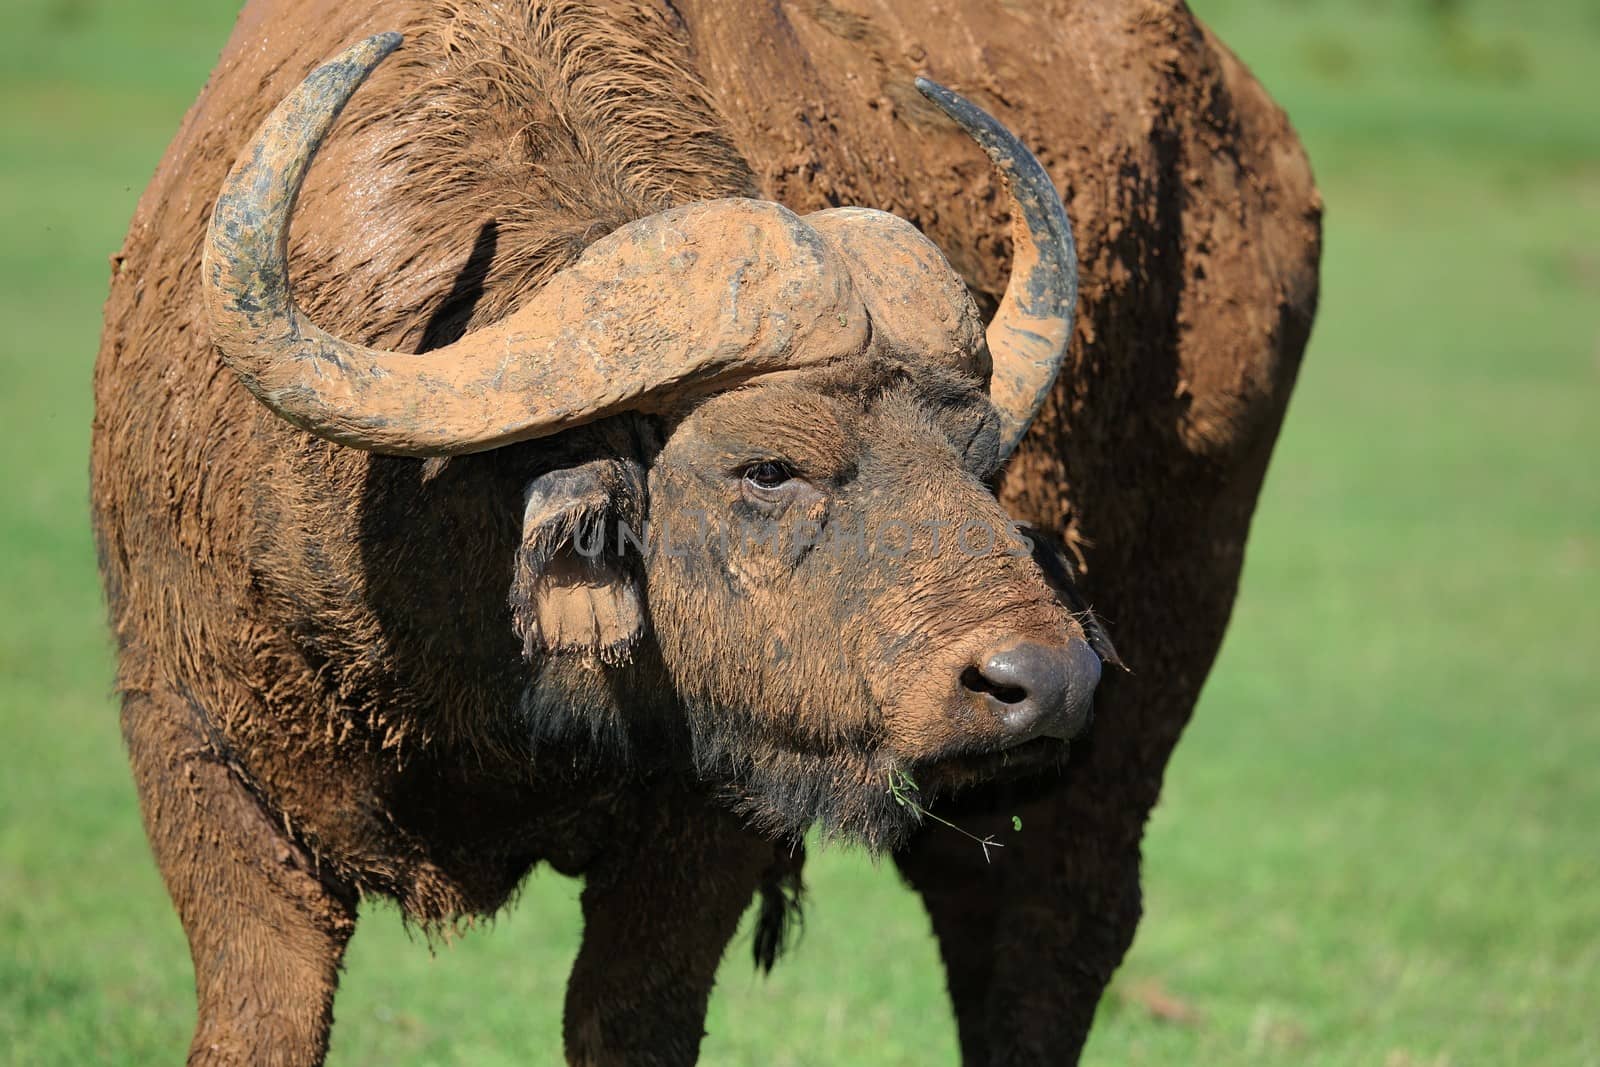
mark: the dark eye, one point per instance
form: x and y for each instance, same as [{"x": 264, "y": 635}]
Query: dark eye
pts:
[{"x": 768, "y": 475}]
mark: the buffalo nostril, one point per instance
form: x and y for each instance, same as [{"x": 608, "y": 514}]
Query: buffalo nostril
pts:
[
  {"x": 1035, "y": 689},
  {"x": 974, "y": 681}
]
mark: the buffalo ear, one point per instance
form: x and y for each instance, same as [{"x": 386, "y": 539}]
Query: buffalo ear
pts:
[
  {"x": 573, "y": 592},
  {"x": 1051, "y": 557}
]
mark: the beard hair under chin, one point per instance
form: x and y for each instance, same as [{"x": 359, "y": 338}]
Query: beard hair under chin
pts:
[{"x": 850, "y": 795}]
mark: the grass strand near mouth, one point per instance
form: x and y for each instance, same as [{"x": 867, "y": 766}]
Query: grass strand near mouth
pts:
[{"x": 905, "y": 792}]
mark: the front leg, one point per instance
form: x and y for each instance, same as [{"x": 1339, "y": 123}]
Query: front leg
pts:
[
  {"x": 1030, "y": 940},
  {"x": 962, "y": 893},
  {"x": 658, "y": 912},
  {"x": 266, "y": 928}
]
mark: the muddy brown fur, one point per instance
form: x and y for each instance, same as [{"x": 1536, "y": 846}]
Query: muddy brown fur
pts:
[{"x": 345, "y": 673}]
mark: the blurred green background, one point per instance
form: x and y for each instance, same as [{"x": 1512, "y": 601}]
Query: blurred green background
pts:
[{"x": 1379, "y": 842}]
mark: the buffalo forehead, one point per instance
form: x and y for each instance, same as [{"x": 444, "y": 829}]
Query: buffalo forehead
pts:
[{"x": 786, "y": 420}]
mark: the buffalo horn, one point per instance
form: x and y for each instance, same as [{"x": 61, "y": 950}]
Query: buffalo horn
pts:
[
  {"x": 688, "y": 300},
  {"x": 1029, "y": 334}
]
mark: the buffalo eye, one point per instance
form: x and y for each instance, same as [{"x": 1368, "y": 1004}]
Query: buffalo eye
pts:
[
  {"x": 767, "y": 475},
  {"x": 768, "y": 481}
]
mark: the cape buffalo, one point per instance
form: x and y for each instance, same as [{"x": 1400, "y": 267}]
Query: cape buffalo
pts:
[{"x": 596, "y": 478}]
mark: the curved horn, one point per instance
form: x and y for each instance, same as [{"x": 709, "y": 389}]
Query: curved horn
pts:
[
  {"x": 1030, "y": 332},
  {"x": 692, "y": 298}
]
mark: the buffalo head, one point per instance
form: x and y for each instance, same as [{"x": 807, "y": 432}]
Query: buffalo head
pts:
[{"x": 800, "y": 536}]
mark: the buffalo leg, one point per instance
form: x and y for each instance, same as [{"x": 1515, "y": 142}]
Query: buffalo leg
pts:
[
  {"x": 655, "y": 924},
  {"x": 1070, "y": 914},
  {"x": 265, "y": 932},
  {"x": 961, "y": 892},
  {"x": 1028, "y": 941}
]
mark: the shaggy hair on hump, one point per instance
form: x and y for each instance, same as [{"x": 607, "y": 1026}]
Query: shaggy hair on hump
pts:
[{"x": 551, "y": 124}]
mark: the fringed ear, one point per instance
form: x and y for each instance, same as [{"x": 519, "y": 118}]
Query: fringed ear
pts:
[
  {"x": 574, "y": 590},
  {"x": 1051, "y": 557}
]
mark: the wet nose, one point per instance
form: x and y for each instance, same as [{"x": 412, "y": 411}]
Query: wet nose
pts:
[{"x": 1036, "y": 690}]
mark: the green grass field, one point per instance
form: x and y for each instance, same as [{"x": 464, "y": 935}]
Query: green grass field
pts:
[{"x": 1379, "y": 842}]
